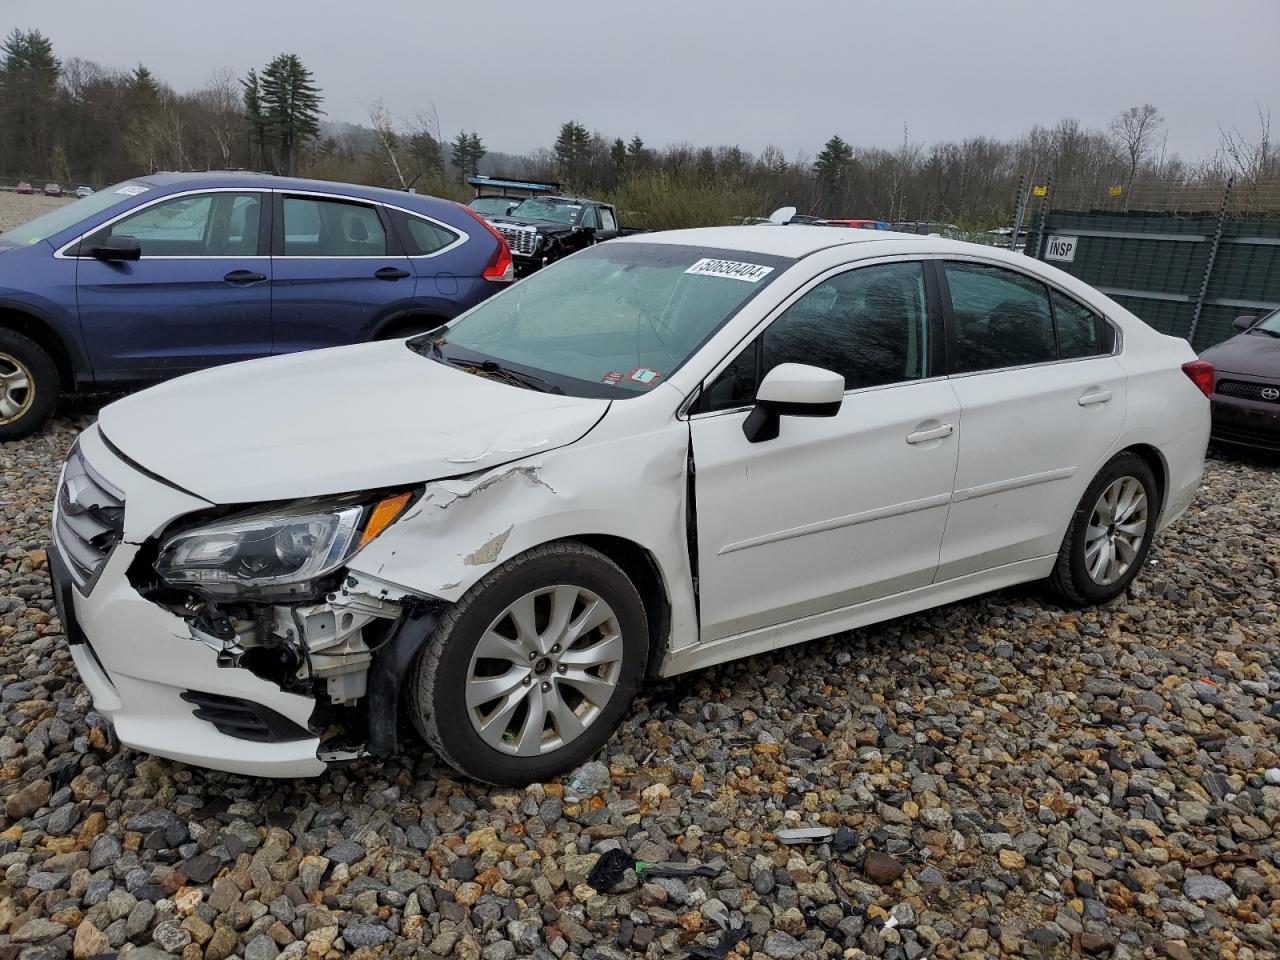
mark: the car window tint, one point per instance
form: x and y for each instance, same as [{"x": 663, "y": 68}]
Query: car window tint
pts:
[
  {"x": 870, "y": 325},
  {"x": 999, "y": 318},
  {"x": 331, "y": 228},
  {"x": 591, "y": 218},
  {"x": 422, "y": 237},
  {"x": 1081, "y": 332},
  {"x": 607, "y": 222}
]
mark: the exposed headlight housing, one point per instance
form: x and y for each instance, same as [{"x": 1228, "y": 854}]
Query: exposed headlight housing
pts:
[{"x": 276, "y": 553}]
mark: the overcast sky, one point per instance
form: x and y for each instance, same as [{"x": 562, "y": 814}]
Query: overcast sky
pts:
[{"x": 752, "y": 72}]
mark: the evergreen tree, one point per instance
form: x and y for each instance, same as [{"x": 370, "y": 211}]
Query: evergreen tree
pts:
[
  {"x": 143, "y": 85},
  {"x": 28, "y": 87},
  {"x": 573, "y": 150},
  {"x": 832, "y": 164},
  {"x": 467, "y": 150},
  {"x": 289, "y": 105},
  {"x": 255, "y": 117}
]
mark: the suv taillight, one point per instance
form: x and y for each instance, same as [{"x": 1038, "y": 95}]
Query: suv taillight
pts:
[
  {"x": 500, "y": 268},
  {"x": 1201, "y": 374}
]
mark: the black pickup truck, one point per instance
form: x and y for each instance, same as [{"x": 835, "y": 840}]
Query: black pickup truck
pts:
[{"x": 541, "y": 230}]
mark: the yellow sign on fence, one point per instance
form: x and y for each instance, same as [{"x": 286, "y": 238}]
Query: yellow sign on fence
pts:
[
  {"x": 1040, "y": 190},
  {"x": 1114, "y": 191}
]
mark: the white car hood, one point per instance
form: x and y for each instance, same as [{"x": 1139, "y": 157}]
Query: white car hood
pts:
[{"x": 335, "y": 421}]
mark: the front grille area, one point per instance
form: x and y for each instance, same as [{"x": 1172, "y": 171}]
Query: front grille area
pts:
[
  {"x": 244, "y": 719},
  {"x": 1261, "y": 392},
  {"x": 522, "y": 242},
  {"x": 88, "y": 520}
]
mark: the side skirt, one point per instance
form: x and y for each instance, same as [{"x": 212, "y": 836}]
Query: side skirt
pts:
[{"x": 699, "y": 655}]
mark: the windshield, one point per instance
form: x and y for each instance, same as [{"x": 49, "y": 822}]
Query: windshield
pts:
[
  {"x": 55, "y": 221},
  {"x": 540, "y": 208},
  {"x": 492, "y": 206},
  {"x": 614, "y": 320},
  {"x": 1270, "y": 324}
]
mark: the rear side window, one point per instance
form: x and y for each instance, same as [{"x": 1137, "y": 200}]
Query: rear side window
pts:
[
  {"x": 1000, "y": 318},
  {"x": 330, "y": 228},
  {"x": 422, "y": 237},
  {"x": 1081, "y": 332},
  {"x": 607, "y": 222}
]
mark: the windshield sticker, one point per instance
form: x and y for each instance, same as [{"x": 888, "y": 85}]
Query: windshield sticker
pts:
[
  {"x": 730, "y": 269},
  {"x": 645, "y": 375},
  {"x": 612, "y": 378},
  {"x": 131, "y": 190}
]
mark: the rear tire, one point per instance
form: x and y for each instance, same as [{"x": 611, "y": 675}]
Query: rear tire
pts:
[
  {"x": 559, "y": 687},
  {"x": 29, "y": 386},
  {"x": 1110, "y": 533}
]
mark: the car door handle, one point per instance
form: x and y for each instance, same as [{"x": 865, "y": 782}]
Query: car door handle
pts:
[
  {"x": 937, "y": 433},
  {"x": 244, "y": 276},
  {"x": 1094, "y": 397},
  {"x": 391, "y": 273}
]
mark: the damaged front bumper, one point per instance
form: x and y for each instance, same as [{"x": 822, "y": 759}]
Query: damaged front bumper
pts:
[{"x": 277, "y": 690}]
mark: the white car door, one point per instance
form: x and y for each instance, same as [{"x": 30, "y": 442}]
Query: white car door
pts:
[
  {"x": 833, "y": 511},
  {"x": 1041, "y": 406}
]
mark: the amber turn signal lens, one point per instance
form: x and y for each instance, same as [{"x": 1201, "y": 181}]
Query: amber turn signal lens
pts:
[{"x": 385, "y": 511}]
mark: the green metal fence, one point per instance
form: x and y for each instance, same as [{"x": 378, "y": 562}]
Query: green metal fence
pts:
[{"x": 1188, "y": 275}]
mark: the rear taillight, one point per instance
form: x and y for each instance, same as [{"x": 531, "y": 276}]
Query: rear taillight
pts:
[
  {"x": 1201, "y": 374},
  {"x": 500, "y": 268}
]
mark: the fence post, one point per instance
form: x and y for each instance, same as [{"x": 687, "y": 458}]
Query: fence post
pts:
[
  {"x": 1019, "y": 204},
  {"x": 1208, "y": 264},
  {"x": 1044, "y": 214}
]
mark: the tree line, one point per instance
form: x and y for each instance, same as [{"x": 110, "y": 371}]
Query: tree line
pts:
[{"x": 77, "y": 121}]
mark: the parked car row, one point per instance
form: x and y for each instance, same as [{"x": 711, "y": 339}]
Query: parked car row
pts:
[
  {"x": 646, "y": 459},
  {"x": 172, "y": 273}
]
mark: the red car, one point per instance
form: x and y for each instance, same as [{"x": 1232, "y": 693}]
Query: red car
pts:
[
  {"x": 24, "y": 187},
  {"x": 52, "y": 190},
  {"x": 858, "y": 224}
]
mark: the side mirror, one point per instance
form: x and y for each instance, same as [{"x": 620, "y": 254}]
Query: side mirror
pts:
[
  {"x": 792, "y": 390},
  {"x": 117, "y": 249},
  {"x": 1244, "y": 323}
]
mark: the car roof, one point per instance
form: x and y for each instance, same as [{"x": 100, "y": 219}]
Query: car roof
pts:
[
  {"x": 266, "y": 181},
  {"x": 800, "y": 240}
]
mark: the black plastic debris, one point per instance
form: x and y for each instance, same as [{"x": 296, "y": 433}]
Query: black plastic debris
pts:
[
  {"x": 728, "y": 940},
  {"x": 613, "y": 865}
]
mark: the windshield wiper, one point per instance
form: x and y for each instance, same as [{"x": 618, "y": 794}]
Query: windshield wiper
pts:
[
  {"x": 492, "y": 368},
  {"x": 1269, "y": 333}
]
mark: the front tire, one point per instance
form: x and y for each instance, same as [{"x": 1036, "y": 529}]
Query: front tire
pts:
[
  {"x": 1110, "y": 533},
  {"x": 29, "y": 386},
  {"x": 529, "y": 674}
]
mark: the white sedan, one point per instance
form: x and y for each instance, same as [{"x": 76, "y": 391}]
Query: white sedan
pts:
[{"x": 660, "y": 454}]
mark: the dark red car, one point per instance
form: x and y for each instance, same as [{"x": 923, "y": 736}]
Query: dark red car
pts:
[
  {"x": 24, "y": 187},
  {"x": 1246, "y": 384}
]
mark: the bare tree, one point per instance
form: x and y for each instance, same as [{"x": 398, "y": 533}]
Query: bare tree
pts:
[
  {"x": 1249, "y": 159},
  {"x": 222, "y": 101},
  {"x": 1134, "y": 130},
  {"x": 385, "y": 130}
]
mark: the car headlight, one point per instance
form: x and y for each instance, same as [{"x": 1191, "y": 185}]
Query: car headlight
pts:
[{"x": 276, "y": 553}]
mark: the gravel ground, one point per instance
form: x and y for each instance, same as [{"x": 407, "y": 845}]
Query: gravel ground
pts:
[
  {"x": 19, "y": 208},
  {"x": 1004, "y": 778}
]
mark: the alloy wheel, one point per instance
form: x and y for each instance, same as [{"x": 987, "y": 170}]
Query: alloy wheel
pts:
[
  {"x": 16, "y": 388},
  {"x": 1116, "y": 530},
  {"x": 544, "y": 670}
]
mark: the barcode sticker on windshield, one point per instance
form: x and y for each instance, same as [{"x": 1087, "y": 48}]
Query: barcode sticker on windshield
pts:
[{"x": 730, "y": 269}]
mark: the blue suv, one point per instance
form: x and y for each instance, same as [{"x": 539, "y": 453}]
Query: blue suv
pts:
[{"x": 175, "y": 272}]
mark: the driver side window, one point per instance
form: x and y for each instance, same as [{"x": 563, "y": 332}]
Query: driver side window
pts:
[{"x": 869, "y": 324}]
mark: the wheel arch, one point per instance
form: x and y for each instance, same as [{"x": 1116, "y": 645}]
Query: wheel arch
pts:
[
  {"x": 1159, "y": 469},
  {"x": 36, "y": 327},
  {"x": 642, "y": 569},
  {"x": 388, "y": 327}
]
